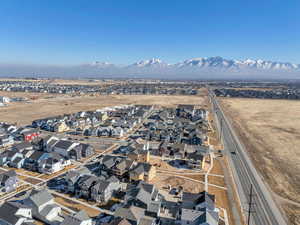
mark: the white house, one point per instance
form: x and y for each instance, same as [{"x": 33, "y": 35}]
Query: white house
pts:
[{"x": 4, "y": 99}]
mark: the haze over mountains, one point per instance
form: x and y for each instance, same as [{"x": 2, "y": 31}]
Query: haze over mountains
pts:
[{"x": 196, "y": 68}]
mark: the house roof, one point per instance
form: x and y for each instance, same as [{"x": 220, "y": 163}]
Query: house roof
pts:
[
  {"x": 75, "y": 219},
  {"x": 64, "y": 144},
  {"x": 72, "y": 175},
  {"x": 37, "y": 155},
  {"x": 22, "y": 145},
  {"x": 8, "y": 212},
  {"x": 87, "y": 180},
  {"x": 190, "y": 214},
  {"x": 109, "y": 161},
  {"x": 146, "y": 220},
  {"x": 6, "y": 175},
  {"x": 147, "y": 187},
  {"x": 119, "y": 221},
  {"x": 207, "y": 216},
  {"x": 199, "y": 198},
  {"x": 47, "y": 209},
  {"x": 154, "y": 206},
  {"x": 132, "y": 213},
  {"x": 11, "y": 153},
  {"x": 17, "y": 159},
  {"x": 40, "y": 197},
  {"x": 101, "y": 186},
  {"x": 142, "y": 168}
]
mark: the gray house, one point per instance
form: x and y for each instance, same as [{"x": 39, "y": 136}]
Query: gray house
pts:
[
  {"x": 80, "y": 218},
  {"x": 13, "y": 213},
  {"x": 198, "y": 209},
  {"x": 196, "y": 217},
  {"x": 43, "y": 206},
  {"x": 102, "y": 191},
  {"x": 8, "y": 181}
]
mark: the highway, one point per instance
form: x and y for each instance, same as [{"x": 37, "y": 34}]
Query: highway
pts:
[{"x": 264, "y": 209}]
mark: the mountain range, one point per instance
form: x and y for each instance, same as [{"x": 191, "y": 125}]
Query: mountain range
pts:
[
  {"x": 211, "y": 62},
  {"x": 195, "y": 68}
]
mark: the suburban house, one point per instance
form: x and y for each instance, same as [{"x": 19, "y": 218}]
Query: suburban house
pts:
[
  {"x": 43, "y": 206},
  {"x": 20, "y": 147},
  {"x": 8, "y": 181},
  {"x": 145, "y": 196},
  {"x": 131, "y": 213},
  {"x": 63, "y": 147},
  {"x": 85, "y": 149},
  {"x": 79, "y": 218},
  {"x": 6, "y": 140},
  {"x": 33, "y": 161},
  {"x": 14, "y": 213},
  {"x": 53, "y": 163},
  {"x": 140, "y": 155},
  {"x": 72, "y": 177},
  {"x": 60, "y": 127},
  {"x": 29, "y": 134},
  {"x": 48, "y": 142},
  {"x": 198, "y": 209},
  {"x": 116, "y": 165},
  {"x": 93, "y": 188},
  {"x": 70, "y": 149},
  {"x": 103, "y": 190},
  {"x": 15, "y": 159},
  {"x": 142, "y": 171}
]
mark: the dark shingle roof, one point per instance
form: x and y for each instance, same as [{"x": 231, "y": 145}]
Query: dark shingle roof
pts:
[
  {"x": 199, "y": 198},
  {"x": 8, "y": 211},
  {"x": 64, "y": 144}
]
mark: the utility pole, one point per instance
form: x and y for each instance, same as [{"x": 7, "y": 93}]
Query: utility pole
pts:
[{"x": 250, "y": 204}]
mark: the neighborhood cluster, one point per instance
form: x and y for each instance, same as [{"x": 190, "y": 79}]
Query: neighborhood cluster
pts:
[
  {"x": 119, "y": 87},
  {"x": 280, "y": 93},
  {"x": 118, "y": 183},
  {"x": 108, "y": 122}
]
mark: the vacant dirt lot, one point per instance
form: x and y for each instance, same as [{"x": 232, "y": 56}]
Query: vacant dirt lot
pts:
[
  {"x": 23, "y": 113},
  {"x": 161, "y": 181},
  {"x": 270, "y": 129}
]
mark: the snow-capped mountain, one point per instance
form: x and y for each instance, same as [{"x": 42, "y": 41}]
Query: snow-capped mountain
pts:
[
  {"x": 219, "y": 62},
  {"x": 210, "y": 62},
  {"x": 195, "y": 68},
  {"x": 150, "y": 63}
]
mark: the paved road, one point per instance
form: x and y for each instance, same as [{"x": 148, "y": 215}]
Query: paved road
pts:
[{"x": 265, "y": 211}]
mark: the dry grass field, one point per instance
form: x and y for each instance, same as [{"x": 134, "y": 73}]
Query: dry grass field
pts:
[
  {"x": 270, "y": 130},
  {"x": 23, "y": 113},
  {"x": 28, "y": 95}
]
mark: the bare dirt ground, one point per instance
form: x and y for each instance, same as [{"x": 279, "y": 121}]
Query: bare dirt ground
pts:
[
  {"x": 75, "y": 206},
  {"x": 161, "y": 181},
  {"x": 23, "y": 113},
  {"x": 270, "y": 130}
]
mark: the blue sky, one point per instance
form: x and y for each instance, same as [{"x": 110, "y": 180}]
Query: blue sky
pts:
[{"x": 125, "y": 31}]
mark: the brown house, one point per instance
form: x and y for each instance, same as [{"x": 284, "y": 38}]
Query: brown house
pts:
[
  {"x": 143, "y": 171},
  {"x": 140, "y": 155}
]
